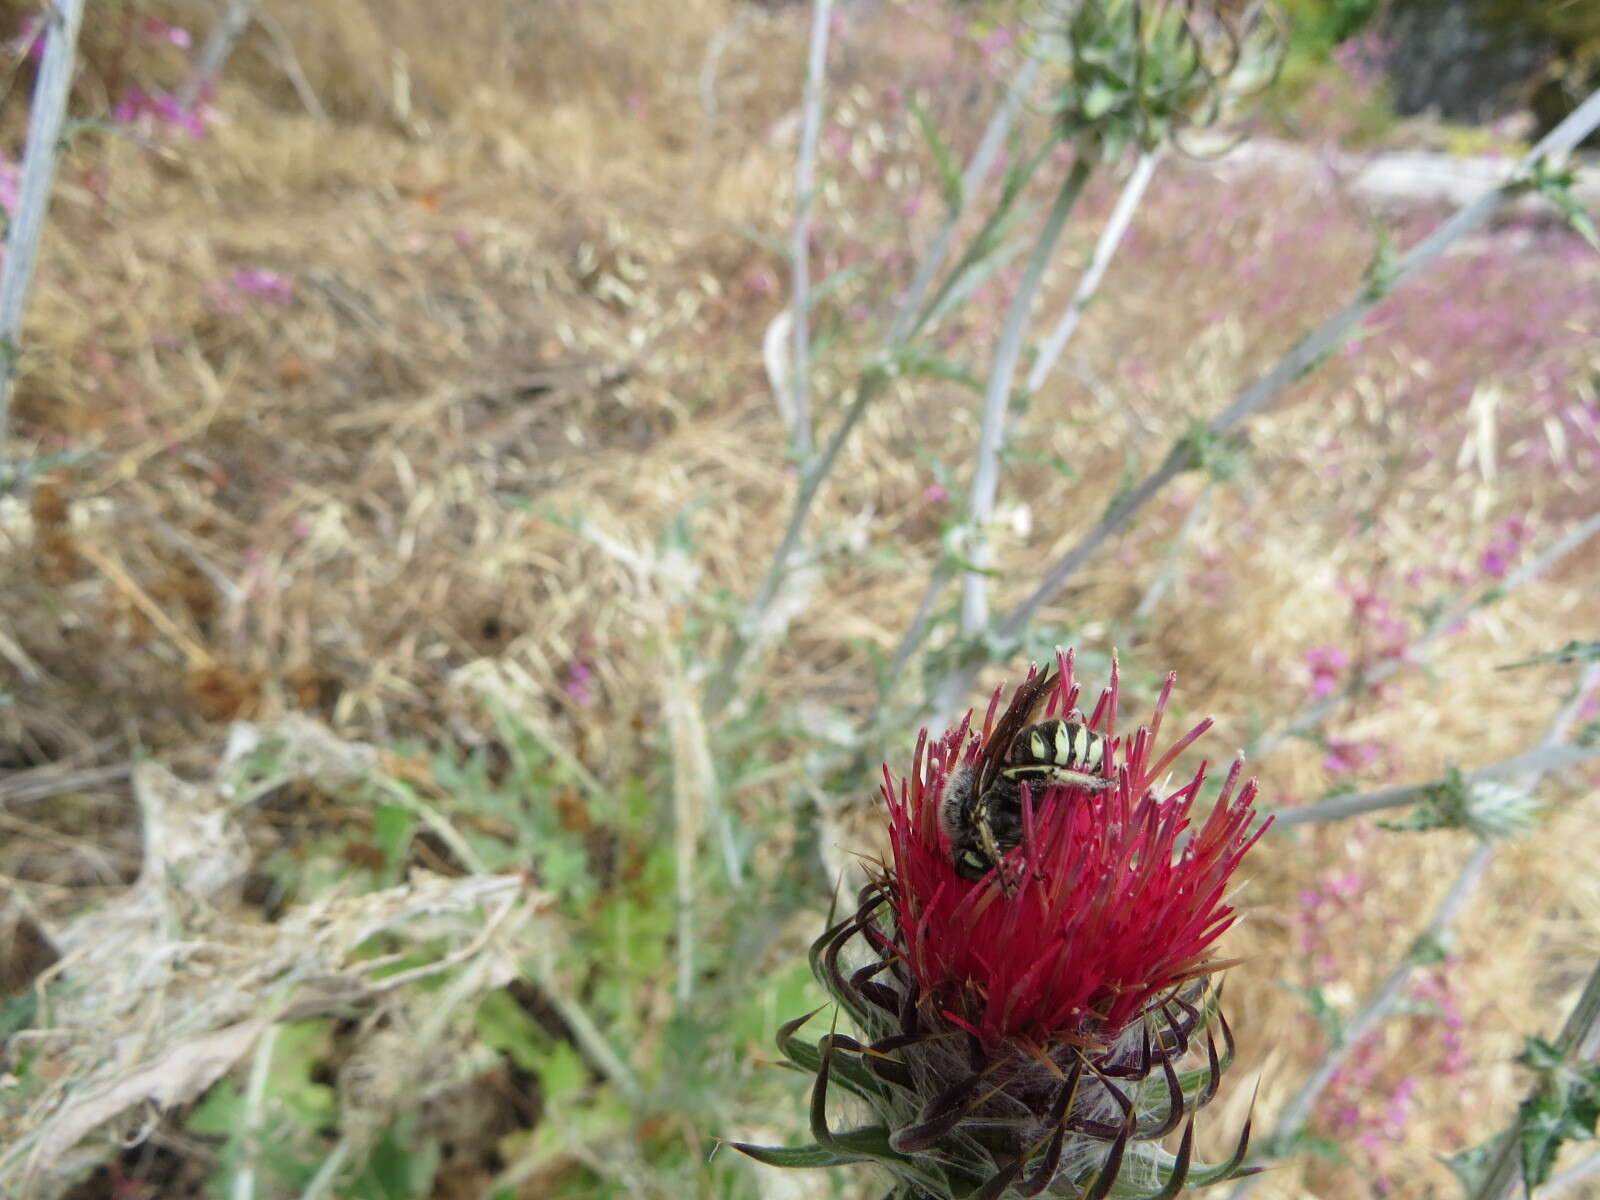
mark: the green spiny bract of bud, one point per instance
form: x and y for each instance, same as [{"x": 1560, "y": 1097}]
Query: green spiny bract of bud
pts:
[{"x": 1145, "y": 71}]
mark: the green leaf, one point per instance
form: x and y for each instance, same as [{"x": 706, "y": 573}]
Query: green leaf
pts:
[
  {"x": 1471, "y": 1166},
  {"x": 562, "y": 1072},
  {"x": 1564, "y": 1106},
  {"x": 797, "y": 1156},
  {"x": 392, "y": 826},
  {"x": 950, "y": 183},
  {"x": 1487, "y": 808},
  {"x": 16, "y": 1012},
  {"x": 1430, "y": 949},
  {"x": 1222, "y": 456},
  {"x": 1323, "y": 1010},
  {"x": 218, "y": 1114},
  {"x": 915, "y": 360},
  {"x": 1539, "y": 1055},
  {"x": 506, "y": 1026},
  {"x": 1384, "y": 269},
  {"x": 398, "y": 1168},
  {"x": 1570, "y": 653},
  {"x": 1555, "y": 184},
  {"x": 833, "y": 283}
]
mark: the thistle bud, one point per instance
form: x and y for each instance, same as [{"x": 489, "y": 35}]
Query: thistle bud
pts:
[{"x": 1145, "y": 71}]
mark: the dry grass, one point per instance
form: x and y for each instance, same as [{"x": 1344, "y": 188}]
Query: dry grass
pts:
[{"x": 524, "y": 347}]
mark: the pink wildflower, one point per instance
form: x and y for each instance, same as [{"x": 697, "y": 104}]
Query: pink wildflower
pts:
[
  {"x": 174, "y": 35},
  {"x": 10, "y": 182},
  {"x": 159, "y": 112},
  {"x": 262, "y": 285}
]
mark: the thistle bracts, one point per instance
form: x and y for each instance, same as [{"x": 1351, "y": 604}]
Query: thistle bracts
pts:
[
  {"x": 1146, "y": 72},
  {"x": 1049, "y": 1028}
]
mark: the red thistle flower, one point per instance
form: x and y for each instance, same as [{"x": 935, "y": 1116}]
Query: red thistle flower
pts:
[
  {"x": 1035, "y": 1030},
  {"x": 1097, "y": 913}
]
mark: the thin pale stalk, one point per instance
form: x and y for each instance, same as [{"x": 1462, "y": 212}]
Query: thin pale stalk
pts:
[
  {"x": 63, "y": 20},
  {"x": 685, "y": 845},
  {"x": 1579, "y": 1039},
  {"x": 328, "y": 1173},
  {"x": 290, "y": 62},
  {"x": 997, "y": 395},
  {"x": 1169, "y": 566},
  {"x": 251, "y": 1126},
  {"x": 722, "y": 690},
  {"x": 1342, "y": 808},
  {"x": 982, "y": 162},
  {"x": 868, "y": 383},
  {"x": 1314, "y": 714},
  {"x": 1116, "y": 228},
  {"x": 214, "y": 53},
  {"x": 920, "y": 621},
  {"x": 586, "y": 1034},
  {"x": 1305, "y": 355},
  {"x": 799, "y": 382},
  {"x": 1563, "y": 1182},
  {"x": 1382, "y": 1002}
]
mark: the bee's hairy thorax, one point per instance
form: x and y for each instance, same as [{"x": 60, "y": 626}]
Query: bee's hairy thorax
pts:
[{"x": 981, "y": 809}]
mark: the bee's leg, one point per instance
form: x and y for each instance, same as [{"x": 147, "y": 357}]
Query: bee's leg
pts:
[
  {"x": 992, "y": 848},
  {"x": 986, "y": 837}
]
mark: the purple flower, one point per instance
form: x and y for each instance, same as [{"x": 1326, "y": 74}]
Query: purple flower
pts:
[
  {"x": 29, "y": 40},
  {"x": 1343, "y": 756},
  {"x": 159, "y": 112},
  {"x": 1327, "y": 665},
  {"x": 579, "y": 676},
  {"x": 160, "y": 31},
  {"x": 263, "y": 285},
  {"x": 10, "y": 181}
]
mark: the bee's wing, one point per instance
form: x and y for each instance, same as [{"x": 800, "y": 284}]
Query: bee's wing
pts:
[{"x": 1012, "y": 722}]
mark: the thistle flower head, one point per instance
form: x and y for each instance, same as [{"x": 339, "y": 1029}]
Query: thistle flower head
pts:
[{"x": 1040, "y": 1029}]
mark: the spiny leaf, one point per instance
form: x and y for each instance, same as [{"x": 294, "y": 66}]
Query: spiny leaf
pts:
[
  {"x": 1555, "y": 184},
  {"x": 950, "y": 184},
  {"x": 797, "y": 1156},
  {"x": 1570, "y": 653},
  {"x": 1564, "y": 1106}
]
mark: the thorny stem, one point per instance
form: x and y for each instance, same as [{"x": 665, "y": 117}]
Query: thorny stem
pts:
[
  {"x": 1105, "y": 249},
  {"x": 63, "y": 20},
  {"x": 1305, "y": 355},
  {"x": 1296, "y": 1113},
  {"x": 1169, "y": 566},
  {"x": 721, "y": 690},
  {"x": 1542, "y": 760},
  {"x": 1580, "y": 1037},
  {"x": 799, "y": 382},
  {"x": 244, "y": 1177},
  {"x": 218, "y": 46},
  {"x": 1563, "y": 1181},
  {"x": 1313, "y": 715},
  {"x": 920, "y": 620},
  {"x": 328, "y": 1172},
  {"x": 290, "y": 62},
  {"x": 997, "y": 396},
  {"x": 983, "y": 161}
]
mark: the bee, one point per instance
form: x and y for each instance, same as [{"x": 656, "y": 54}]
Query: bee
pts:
[{"x": 981, "y": 809}]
